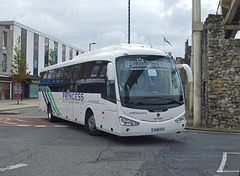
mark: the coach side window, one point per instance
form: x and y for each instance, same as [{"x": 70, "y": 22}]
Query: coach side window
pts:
[
  {"x": 59, "y": 81},
  {"x": 93, "y": 82},
  {"x": 76, "y": 73},
  {"x": 43, "y": 78},
  {"x": 68, "y": 73},
  {"x": 59, "y": 73},
  {"x": 79, "y": 77},
  {"x": 103, "y": 71},
  {"x": 43, "y": 75}
]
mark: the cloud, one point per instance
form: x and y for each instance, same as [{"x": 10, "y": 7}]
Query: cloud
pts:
[
  {"x": 80, "y": 22},
  {"x": 111, "y": 38}
]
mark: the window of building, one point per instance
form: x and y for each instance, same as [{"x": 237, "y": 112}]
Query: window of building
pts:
[
  {"x": 55, "y": 58},
  {"x": 4, "y": 39},
  {"x": 4, "y": 63},
  {"x": 70, "y": 54},
  {"x": 24, "y": 41},
  {"x": 5, "y": 26},
  {"x": 2, "y": 35},
  {"x": 77, "y": 52},
  {"x": 35, "y": 55},
  {"x": 63, "y": 53},
  {"x": 46, "y": 52}
]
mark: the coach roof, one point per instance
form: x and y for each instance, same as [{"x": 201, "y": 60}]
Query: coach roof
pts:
[{"x": 114, "y": 51}]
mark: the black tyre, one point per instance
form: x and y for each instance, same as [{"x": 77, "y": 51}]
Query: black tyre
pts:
[
  {"x": 90, "y": 124},
  {"x": 51, "y": 117}
]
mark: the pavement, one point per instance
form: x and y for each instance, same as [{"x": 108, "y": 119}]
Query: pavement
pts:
[{"x": 11, "y": 107}]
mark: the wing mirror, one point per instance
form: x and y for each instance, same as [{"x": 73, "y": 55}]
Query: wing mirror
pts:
[
  {"x": 110, "y": 72},
  {"x": 188, "y": 71}
]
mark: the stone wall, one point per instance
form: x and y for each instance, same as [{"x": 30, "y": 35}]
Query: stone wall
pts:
[{"x": 221, "y": 76}]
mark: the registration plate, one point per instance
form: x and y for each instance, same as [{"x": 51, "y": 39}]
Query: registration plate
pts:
[{"x": 157, "y": 129}]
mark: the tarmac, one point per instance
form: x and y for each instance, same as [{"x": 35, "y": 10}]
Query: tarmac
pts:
[{"x": 11, "y": 107}]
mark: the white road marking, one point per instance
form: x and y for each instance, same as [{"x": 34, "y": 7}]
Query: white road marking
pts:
[
  {"x": 11, "y": 123},
  {"x": 223, "y": 163},
  {"x": 41, "y": 126},
  {"x": 20, "y": 120},
  {"x": 224, "y": 160},
  {"x": 16, "y": 166},
  {"x": 60, "y": 126},
  {"x": 7, "y": 140},
  {"x": 23, "y": 125}
]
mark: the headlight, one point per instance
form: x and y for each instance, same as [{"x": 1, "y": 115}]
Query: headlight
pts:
[
  {"x": 127, "y": 122},
  {"x": 181, "y": 119}
]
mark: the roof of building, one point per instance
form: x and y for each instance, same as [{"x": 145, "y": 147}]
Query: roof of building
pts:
[{"x": 14, "y": 23}]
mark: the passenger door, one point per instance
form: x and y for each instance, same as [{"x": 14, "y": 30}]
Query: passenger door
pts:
[{"x": 110, "y": 118}]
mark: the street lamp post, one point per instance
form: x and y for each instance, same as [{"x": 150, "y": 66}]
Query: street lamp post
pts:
[
  {"x": 128, "y": 21},
  {"x": 90, "y": 44}
]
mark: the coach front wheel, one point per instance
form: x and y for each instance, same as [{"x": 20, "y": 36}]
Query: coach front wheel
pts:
[{"x": 90, "y": 124}]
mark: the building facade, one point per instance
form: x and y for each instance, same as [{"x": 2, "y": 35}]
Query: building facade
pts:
[{"x": 36, "y": 47}]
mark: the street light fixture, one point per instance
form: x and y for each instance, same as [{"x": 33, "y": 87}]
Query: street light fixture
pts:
[{"x": 90, "y": 44}]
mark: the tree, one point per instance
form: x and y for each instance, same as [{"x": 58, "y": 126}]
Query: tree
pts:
[
  {"x": 19, "y": 72},
  {"x": 52, "y": 59}
]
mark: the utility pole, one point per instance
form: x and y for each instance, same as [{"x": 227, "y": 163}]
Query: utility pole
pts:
[
  {"x": 197, "y": 28},
  {"x": 191, "y": 84},
  {"x": 128, "y": 21}
]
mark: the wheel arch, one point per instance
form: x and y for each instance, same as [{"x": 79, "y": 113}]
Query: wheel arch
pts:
[
  {"x": 88, "y": 110},
  {"x": 49, "y": 106},
  {"x": 90, "y": 122}
]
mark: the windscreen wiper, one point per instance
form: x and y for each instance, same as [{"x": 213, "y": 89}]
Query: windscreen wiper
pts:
[
  {"x": 137, "y": 103},
  {"x": 175, "y": 101},
  {"x": 170, "y": 101}
]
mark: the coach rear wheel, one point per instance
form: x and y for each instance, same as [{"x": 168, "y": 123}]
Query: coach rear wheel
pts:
[{"x": 90, "y": 124}]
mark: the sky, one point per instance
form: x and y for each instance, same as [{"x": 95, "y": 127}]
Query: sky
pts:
[{"x": 105, "y": 22}]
